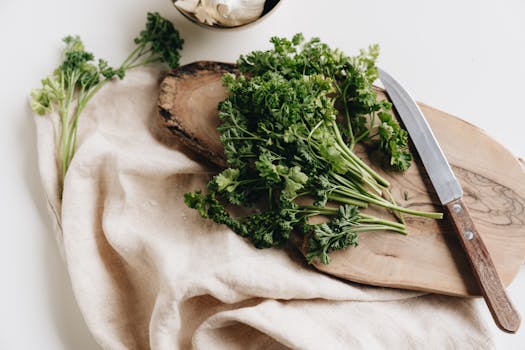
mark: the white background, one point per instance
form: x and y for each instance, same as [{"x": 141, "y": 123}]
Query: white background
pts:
[{"x": 465, "y": 57}]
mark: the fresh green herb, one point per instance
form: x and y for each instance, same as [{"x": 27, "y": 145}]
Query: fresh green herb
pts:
[
  {"x": 285, "y": 147},
  {"x": 72, "y": 85},
  {"x": 342, "y": 231},
  {"x": 367, "y": 119}
]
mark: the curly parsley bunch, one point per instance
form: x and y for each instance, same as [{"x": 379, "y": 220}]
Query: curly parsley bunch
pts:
[{"x": 291, "y": 156}]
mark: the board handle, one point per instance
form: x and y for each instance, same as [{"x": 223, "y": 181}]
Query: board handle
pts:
[{"x": 504, "y": 313}]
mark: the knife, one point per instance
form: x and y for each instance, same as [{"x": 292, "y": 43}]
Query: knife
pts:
[{"x": 450, "y": 195}]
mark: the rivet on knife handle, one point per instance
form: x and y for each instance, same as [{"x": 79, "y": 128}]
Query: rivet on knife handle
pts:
[{"x": 500, "y": 306}]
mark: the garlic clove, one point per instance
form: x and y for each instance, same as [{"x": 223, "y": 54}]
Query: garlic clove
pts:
[
  {"x": 204, "y": 16},
  {"x": 237, "y": 12},
  {"x": 187, "y": 5}
]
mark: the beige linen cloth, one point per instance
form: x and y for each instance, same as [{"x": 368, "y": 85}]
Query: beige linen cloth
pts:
[{"x": 149, "y": 273}]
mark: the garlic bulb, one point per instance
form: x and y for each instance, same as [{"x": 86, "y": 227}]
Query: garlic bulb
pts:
[{"x": 228, "y": 13}]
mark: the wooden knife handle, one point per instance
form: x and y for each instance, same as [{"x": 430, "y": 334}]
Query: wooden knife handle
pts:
[{"x": 506, "y": 316}]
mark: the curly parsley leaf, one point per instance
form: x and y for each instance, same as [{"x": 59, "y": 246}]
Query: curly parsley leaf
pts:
[{"x": 352, "y": 78}]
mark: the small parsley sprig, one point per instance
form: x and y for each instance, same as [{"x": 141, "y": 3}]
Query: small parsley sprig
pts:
[{"x": 79, "y": 77}]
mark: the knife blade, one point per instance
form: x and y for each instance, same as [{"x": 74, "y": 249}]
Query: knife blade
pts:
[{"x": 450, "y": 195}]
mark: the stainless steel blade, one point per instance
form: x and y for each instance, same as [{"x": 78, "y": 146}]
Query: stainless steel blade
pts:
[{"x": 435, "y": 162}]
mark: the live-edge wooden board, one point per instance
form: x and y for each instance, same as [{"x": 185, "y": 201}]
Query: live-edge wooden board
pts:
[{"x": 430, "y": 257}]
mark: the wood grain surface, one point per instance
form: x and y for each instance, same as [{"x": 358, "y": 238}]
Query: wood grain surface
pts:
[{"x": 430, "y": 258}]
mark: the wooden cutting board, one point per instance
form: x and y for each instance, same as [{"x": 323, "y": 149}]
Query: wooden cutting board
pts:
[{"x": 430, "y": 257}]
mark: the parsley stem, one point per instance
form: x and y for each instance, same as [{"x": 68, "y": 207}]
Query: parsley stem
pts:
[
  {"x": 132, "y": 55},
  {"x": 368, "y": 228},
  {"x": 384, "y": 203},
  {"x": 358, "y": 160},
  {"x": 347, "y": 200},
  {"x": 362, "y": 136},
  {"x": 361, "y": 176},
  {"x": 397, "y": 214},
  {"x": 371, "y": 219}
]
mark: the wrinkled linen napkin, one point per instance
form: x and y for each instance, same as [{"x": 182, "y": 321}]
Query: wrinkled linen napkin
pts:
[{"x": 149, "y": 273}]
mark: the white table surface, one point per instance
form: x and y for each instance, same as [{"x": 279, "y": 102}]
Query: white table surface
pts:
[{"x": 464, "y": 57}]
